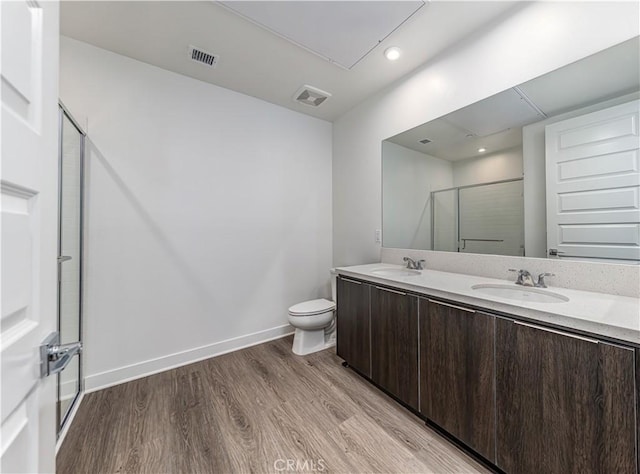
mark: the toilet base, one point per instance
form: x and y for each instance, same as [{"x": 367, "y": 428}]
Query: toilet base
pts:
[{"x": 307, "y": 342}]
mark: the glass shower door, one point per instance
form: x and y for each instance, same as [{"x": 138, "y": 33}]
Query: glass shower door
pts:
[
  {"x": 69, "y": 259},
  {"x": 491, "y": 218},
  {"x": 444, "y": 231}
]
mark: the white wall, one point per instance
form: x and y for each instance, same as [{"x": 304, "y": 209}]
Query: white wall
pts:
[
  {"x": 408, "y": 179},
  {"x": 208, "y": 214},
  {"x": 485, "y": 169},
  {"x": 535, "y": 39}
]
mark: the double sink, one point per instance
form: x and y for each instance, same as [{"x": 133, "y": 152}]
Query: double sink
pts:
[{"x": 512, "y": 292}]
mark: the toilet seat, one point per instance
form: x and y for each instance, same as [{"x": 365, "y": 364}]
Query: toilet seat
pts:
[{"x": 310, "y": 308}]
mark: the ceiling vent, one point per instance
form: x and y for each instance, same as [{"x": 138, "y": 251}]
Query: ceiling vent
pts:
[
  {"x": 202, "y": 57},
  {"x": 425, "y": 141},
  {"x": 311, "y": 96}
]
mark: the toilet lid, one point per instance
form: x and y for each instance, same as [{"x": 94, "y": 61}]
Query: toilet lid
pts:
[{"x": 312, "y": 307}]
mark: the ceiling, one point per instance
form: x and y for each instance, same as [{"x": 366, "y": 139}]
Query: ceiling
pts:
[
  {"x": 254, "y": 60},
  {"x": 496, "y": 123},
  {"x": 340, "y": 32}
]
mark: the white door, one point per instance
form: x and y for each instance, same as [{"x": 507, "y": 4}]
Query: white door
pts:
[
  {"x": 29, "y": 76},
  {"x": 593, "y": 184}
]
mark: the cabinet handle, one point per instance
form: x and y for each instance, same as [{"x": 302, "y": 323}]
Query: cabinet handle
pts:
[
  {"x": 574, "y": 336},
  {"x": 391, "y": 291},
  {"x": 453, "y": 306},
  {"x": 351, "y": 281}
]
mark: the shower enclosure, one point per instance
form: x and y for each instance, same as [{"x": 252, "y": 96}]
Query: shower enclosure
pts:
[
  {"x": 70, "y": 191},
  {"x": 481, "y": 218}
]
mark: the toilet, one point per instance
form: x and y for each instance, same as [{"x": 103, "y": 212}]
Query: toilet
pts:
[{"x": 314, "y": 321}]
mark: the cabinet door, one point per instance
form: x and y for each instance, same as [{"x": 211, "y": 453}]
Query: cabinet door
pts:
[
  {"x": 353, "y": 331},
  {"x": 638, "y": 405},
  {"x": 457, "y": 373},
  {"x": 394, "y": 343},
  {"x": 564, "y": 403}
]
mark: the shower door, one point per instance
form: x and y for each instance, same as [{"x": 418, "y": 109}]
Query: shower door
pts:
[
  {"x": 485, "y": 218},
  {"x": 491, "y": 218},
  {"x": 70, "y": 259},
  {"x": 444, "y": 215}
]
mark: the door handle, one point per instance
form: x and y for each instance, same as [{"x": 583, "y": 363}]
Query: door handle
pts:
[
  {"x": 54, "y": 357},
  {"x": 350, "y": 281},
  {"x": 391, "y": 291},
  {"x": 560, "y": 333},
  {"x": 555, "y": 252},
  {"x": 64, "y": 258},
  {"x": 468, "y": 310}
]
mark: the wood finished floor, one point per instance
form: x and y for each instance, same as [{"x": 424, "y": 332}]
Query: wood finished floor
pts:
[{"x": 251, "y": 411}]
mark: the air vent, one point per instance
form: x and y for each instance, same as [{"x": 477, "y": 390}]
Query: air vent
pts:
[
  {"x": 311, "y": 96},
  {"x": 202, "y": 57},
  {"x": 425, "y": 141}
]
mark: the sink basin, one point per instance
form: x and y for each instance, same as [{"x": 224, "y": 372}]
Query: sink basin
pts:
[
  {"x": 520, "y": 293},
  {"x": 395, "y": 272}
]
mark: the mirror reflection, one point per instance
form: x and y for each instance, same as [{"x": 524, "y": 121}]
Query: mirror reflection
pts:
[{"x": 547, "y": 168}]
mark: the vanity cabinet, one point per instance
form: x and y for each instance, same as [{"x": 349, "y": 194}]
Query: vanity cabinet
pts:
[
  {"x": 528, "y": 398},
  {"x": 564, "y": 403},
  {"x": 457, "y": 372},
  {"x": 638, "y": 405},
  {"x": 394, "y": 343},
  {"x": 352, "y": 320}
]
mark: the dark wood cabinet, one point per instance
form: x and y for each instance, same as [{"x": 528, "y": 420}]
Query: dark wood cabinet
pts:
[
  {"x": 394, "y": 343},
  {"x": 638, "y": 405},
  {"x": 457, "y": 373},
  {"x": 564, "y": 403},
  {"x": 530, "y": 399},
  {"x": 353, "y": 328}
]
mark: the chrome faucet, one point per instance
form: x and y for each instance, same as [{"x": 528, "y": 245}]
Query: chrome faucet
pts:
[
  {"x": 524, "y": 277},
  {"x": 541, "y": 283},
  {"x": 414, "y": 265}
]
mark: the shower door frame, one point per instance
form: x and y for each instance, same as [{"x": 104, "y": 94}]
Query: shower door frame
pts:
[
  {"x": 457, "y": 190},
  {"x": 62, "y": 418}
]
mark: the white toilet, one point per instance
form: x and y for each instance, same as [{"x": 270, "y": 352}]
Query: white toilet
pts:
[{"x": 315, "y": 323}]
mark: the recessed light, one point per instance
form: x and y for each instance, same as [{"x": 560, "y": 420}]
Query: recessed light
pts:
[
  {"x": 392, "y": 53},
  {"x": 481, "y": 150}
]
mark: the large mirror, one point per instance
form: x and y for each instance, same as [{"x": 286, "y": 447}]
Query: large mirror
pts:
[{"x": 550, "y": 167}]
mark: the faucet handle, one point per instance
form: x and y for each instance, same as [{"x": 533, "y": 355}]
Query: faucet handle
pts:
[
  {"x": 410, "y": 262},
  {"x": 541, "y": 283},
  {"x": 420, "y": 264},
  {"x": 524, "y": 277},
  {"x": 517, "y": 272}
]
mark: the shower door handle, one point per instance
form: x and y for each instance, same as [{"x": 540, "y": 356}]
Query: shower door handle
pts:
[
  {"x": 464, "y": 241},
  {"x": 64, "y": 258}
]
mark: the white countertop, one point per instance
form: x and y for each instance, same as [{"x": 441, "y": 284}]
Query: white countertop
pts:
[{"x": 616, "y": 317}]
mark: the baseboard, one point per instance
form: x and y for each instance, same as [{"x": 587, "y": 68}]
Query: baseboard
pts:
[{"x": 143, "y": 369}]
